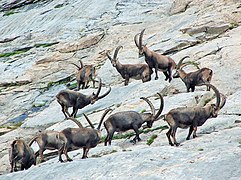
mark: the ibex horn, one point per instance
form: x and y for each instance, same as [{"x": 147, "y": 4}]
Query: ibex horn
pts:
[
  {"x": 140, "y": 38},
  {"x": 116, "y": 52},
  {"x": 180, "y": 62},
  {"x": 153, "y": 111},
  {"x": 161, "y": 106},
  {"x": 102, "y": 117},
  {"x": 88, "y": 120},
  {"x": 136, "y": 41},
  {"x": 216, "y": 93}
]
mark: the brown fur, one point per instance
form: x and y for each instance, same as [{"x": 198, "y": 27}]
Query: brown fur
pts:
[
  {"x": 127, "y": 71},
  {"x": 155, "y": 60},
  {"x": 85, "y": 74},
  {"x": 20, "y": 152},
  {"x": 77, "y": 100},
  {"x": 85, "y": 138},
  {"x": 192, "y": 117},
  {"x": 50, "y": 140},
  {"x": 195, "y": 78}
]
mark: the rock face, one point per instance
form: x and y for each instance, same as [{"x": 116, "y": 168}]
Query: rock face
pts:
[{"x": 39, "y": 41}]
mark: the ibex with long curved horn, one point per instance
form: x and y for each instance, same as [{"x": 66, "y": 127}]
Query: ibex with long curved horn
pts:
[
  {"x": 192, "y": 117},
  {"x": 126, "y": 120},
  {"x": 85, "y": 74},
  {"x": 135, "y": 71},
  {"x": 85, "y": 138},
  {"x": 195, "y": 78},
  {"x": 155, "y": 60},
  {"x": 77, "y": 100}
]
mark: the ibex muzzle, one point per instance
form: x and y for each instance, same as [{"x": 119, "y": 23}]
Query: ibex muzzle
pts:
[
  {"x": 84, "y": 75},
  {"x": 127, "y": 71},
  {"x": 155, "y": 60},
  {"x": 126, "y": 120},
  {"x": 195, "y": 78},
  {"x": 192, "y": 117},
  {"x": 77, "y": 100}
]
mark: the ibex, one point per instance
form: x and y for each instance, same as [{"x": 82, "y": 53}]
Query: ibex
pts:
[
  {"x": 126, "y": 120},
  {"x": 192, "y": 117},
  {"x": 155, "y": 60},
  {"x": 85, "y": 138},
  {"x": 21, "y": 152},
  {"x": 77, "y": 100},
  {"x": 84, "y": 75},
  {"x": 50, "y": 140},
  {"x": 127, "y": 71},
  {"x": 195, "y": 78}
]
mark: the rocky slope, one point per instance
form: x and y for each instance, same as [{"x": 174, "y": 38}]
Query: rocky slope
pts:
[{"x": 39, "y": 40}]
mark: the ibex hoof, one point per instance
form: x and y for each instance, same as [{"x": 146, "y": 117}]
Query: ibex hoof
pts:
[
  {"x": 156, "y": 78},
  {"x": 69, "y": 159},
  {"x": 171, "y": 144},
  {"x": 133, "y": 141},
  {"x": 188, "y": 138},
  {"x": 177, "y": 144}
]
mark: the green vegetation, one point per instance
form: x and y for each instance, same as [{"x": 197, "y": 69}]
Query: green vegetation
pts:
[
  {"x": 151, "y": 140},
  {"x": 233, "y": 25},
  {"x": 129, "y": 135},
  {"x": 62, "y": 81},
  {"x": 200, "y": 149},
  {"x": 13, "y": 53},
  {"x": 23, "y": 50},
  {"x": 59, "y": 6},
  {"x": 8, "y": 13},
  {"x": 143, "y": 110},
  {"x": 72, "y": 86},
  {"x": 45, "y": 44},
  {"x": 39, "y": 104},
  {"x": 193, "y": 63}
]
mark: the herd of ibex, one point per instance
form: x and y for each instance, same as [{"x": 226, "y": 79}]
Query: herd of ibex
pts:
[{"x": 87, "y": 138}]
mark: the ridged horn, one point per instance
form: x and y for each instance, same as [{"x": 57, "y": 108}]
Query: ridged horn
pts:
[
  {"x": 116, "y": 52},
  {"x": 161, "y": 106},
  {"x": 88, "y": 120},
  {"x": 79, "y": 68},
  {"x": 81, "y": 64},
  {"x": 153, "y": 111},
  {"x": 102, "y": 117},
  {"x": 140, "y": 38},
  {"x": 223, "y": 101},
  {"x": 217, "y": 93},
  {"x": 180, "y": 62},
  {"x": 105, "y": 94},
  {"x": 107, "y": 54},
  {"x": 76, "y": 122},
  {"x": 136, "y": 40}
]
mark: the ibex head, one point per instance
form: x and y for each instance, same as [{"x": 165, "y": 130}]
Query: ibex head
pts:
[
  {"x": 139, "y": 44},
  {"x": 79, "y": 67},
  {"x": 180, "y": 65},
  {"x": 95, "y": 96},
  {"x": 153, "y": 116},
  {"x": 114, "y": 59},
  {"x": 215, "y": 108}
]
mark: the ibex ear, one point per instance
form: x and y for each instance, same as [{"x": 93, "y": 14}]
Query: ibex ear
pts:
[{"x": 93, "y": 94}]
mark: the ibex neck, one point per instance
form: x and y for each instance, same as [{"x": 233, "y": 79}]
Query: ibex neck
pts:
[
  {"x": 119, "y": 66},
  {"x": 182, "y": 74}
]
